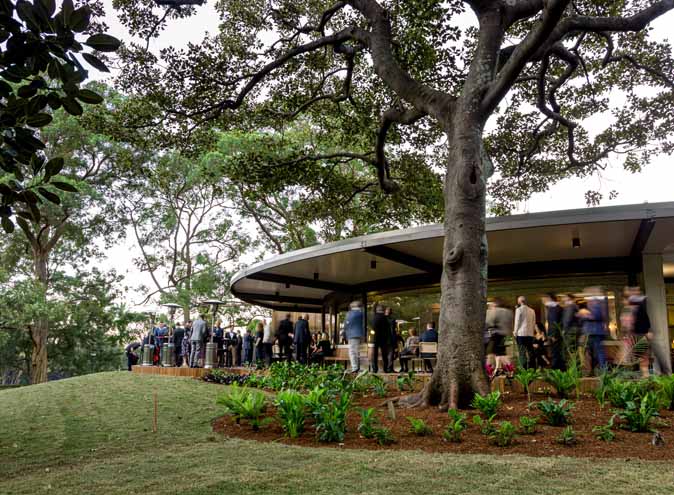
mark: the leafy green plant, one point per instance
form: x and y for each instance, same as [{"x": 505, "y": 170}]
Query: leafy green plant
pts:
[
  {"x": 488, "y": 404},
  {"x": 528, "y": 425},
  {"x": 331, "y": 421},
  {"x": 620, "y": 392},
  {"x": 368, "y": 422},
  {"x": 457, "y": 425},
  {"x": 243, "y": 403},
  {"x": 567, "y": 436},
  {"x": 379, "y": 386},
  {"x": 315, "y": 400},
  {"x": 504, "y": 435},
  {"x": 525, "y": 377},
  {"x": 556, "y": 413},
  {"x": 405, "y": 380},
  {"x": 638, "y": 415},
  {"x": 486, "y": 425},
  {"x": 665, "y": 388},
  {"x": 384, "y": 436},
  {"x": 605, "y": 432},
  {"x": 419, "y": 427},
  {"x": 563, "y": 381},
  {"x": 291, "y": 405}
]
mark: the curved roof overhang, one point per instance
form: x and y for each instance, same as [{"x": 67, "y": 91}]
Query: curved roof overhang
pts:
[{"x": 612, "y": 239}]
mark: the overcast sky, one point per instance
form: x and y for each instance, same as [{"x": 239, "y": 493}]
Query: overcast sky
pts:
[{"x": 654, "y": 184}]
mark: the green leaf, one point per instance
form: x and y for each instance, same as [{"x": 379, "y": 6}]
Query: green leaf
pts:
[
  {"x": 53, "y": 167},
  {"x": 80, "y": 19},
  {"x": 88, "y": 96},
  {"x": 49, "y": 6},
  {"x": 71, "y": 106},
  {"x": 103, "y": 42},
  {"x": 27, "y": 91},
  {"x": 39, "y": 120},
  {"x": 64, "y": 186},
  {"x": 49, "y": 196},
  {"x": 7, "y": 225},
  {"x": 54, "y": 100},
  {"x": 95, "y": 62}
]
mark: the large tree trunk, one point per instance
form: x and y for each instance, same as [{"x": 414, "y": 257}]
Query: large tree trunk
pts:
[
  {"x": 459, "y": 372},
  {"x": 40, "y": 330}
]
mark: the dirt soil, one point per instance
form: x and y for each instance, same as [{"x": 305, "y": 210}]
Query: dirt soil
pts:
[{"x": 585, "y": 414}]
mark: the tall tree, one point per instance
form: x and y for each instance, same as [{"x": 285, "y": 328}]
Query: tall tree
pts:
[
  {"x": 180, "y": 213},
  {"x": 370, "y": 67}
]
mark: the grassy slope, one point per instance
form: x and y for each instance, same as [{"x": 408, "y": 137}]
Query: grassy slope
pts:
[{"x": 92, "y": 435}]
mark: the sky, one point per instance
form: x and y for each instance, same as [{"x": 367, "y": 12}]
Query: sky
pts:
[{"x": 654, "y": 184}]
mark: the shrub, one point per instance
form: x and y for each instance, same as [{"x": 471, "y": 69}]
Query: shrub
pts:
[
  {"x": 457, "y": 425},
  {"x": 384, "y": 436},
  {"x": 488, "y": 404},
  {"x": 331, "y": 421},
  {"x": 243, "y": 403},
  {"x": 378, "y": 386},
  {"x": 665, "y": 389},
  {"x": 504, "y": 435},
  {"x": 291, "y": 412},
  {"x": 567, "y": 436},
  {"x": 620, "y": 392},
  {"x": 315, "y": 400},
  {"x": 368, "y": 422},
  {"x": 528, "y": 425},
  {"x": 419, "y": 427},
  {"x": 556, "y": 413},
  {"x": 605, "y": 432},
  {"x": 486, "y": 425},
  {"x": 563, "y": 381},
  {"x": 638, "y": 415},
  {"x": 525, "y": 377},
  {"x": 405, "y": 380}
]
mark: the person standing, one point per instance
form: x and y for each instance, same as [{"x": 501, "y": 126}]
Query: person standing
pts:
[
  {"x": 382, "y": 339},
  {"x": 641, "y": 329},
  {"x": 302, "y": 338},
  {"x": 178, "y": 334},
  {"x": 259, "y": 348},
  {"x": 354, "y": 333},
  {"x": 238, "y": 348},
  {"x": 570, "y": 326},
  {"x": 268, "y": 344},
  {"x": 525, "y": 324},
  {"x": 499, "y": 321},
  {"x": 185, "y": 344},
  {"x": 131, "y": 356},
  {"x": 229, "y": 342},
  {"x": 219, "y": 340},
  {"x": 554, "y": 317},
  {"x": 284, "y": 336},
  {"x": 594, "y": 325},
  {"x": 248, "y": 341},
  {"x": 395, "y": 339},
  {"x": 199, "y": 331}
]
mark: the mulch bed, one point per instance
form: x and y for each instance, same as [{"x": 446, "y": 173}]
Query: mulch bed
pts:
[{"x": 585, "y": 414}]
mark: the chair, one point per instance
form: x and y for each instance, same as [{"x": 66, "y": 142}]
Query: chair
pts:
[{"x": 428, "y": 351}]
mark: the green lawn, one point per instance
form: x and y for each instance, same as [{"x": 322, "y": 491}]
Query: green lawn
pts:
[{"x": 93, "y": 435}]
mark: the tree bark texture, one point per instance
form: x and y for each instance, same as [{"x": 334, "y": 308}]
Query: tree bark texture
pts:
[{"x": 40, "y": 329}]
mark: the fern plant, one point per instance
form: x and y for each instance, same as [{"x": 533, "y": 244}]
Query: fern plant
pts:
[
  {"x": 419, "y": 427},
  {"x": 525, "y": 377},
  {"x": 567, "y": 436},
  {"x": 368, "y": 422},
  {"x": 556, "y": 413},
  {"x": 665, "y": 389},
  {"x": 563, "y": 381},
  {"x": 486, "y": 425},
  {"x": 331, "y": 421},
  {"x": 504, "y": 435},
  {"x": 638, "y": 415},
  {"x": 457, "y": 425},
  {"x": 378, "y": 386},
  {"x": 605, "y": 432},
  {"x": 528, "y": 425},
  {"x": 246, "y": 404},
  {"x": 488, "y": 404},
  {"x": 291, "y": 410},
  {"x": 405, "y": 380}
]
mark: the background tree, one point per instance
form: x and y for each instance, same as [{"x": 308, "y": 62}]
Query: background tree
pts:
[
  {"x": 365, "y": 68},
  {"x": 180, "y": 214}
]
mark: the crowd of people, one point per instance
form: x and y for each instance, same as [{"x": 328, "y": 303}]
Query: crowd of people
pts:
[{"x": 569, "y": 328}]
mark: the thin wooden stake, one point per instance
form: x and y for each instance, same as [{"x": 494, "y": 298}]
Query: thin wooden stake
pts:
[
  {"x": 391, "y": 410},
  {"x": 154, "y": 419}
]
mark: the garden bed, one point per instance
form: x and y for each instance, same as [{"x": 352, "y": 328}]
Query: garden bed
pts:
[{"x": 585, "y": 415}]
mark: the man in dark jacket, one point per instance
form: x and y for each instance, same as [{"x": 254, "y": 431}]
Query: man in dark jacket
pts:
[
  {"x": 570, "y": 325},
  {"x": 284, "y": 335},
  {"x": 302, "y": 338},
  {"x": 382, "y": 339},
  {"x": 178, "y": 334},
  {"x": 555, "y": 327},
  {"x": 429, "y": 335},
  {"x": 229, "y": 347},
  {"x": 131, "y": 356},
  {"x": 395, "y": 339}
]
